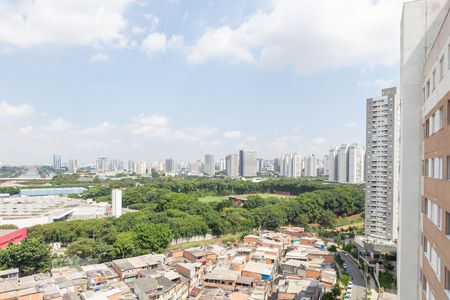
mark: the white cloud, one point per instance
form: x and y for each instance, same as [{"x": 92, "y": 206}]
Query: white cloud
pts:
[
  {"x": 232, "y": 134},
  {"x": 10, "y": 111},
  {"x": 99, "y": 57},
  {"x": 156, "y": 126},
  {"x": 158, "y": 42},
  {"x": 318, "y": 141},
  {"x": 59, "y": 125},
  {"x": 153, "y": 21},
  {"x": 309, "y": 35},
  {"x": 137, "y": 30},
  {"x": 220, "y": 42},
  {"x": 27, "y": 23},
  {"x": 382, "y": 83}
]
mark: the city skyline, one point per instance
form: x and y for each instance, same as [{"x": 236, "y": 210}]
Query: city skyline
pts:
[{"x": 151, "y": 86}]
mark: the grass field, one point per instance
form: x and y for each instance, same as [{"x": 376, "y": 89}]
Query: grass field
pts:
[
  {"x": 221, "y": 240},
  {"x": 220, "y": 198},
  {"x": 345, "y": 222}
]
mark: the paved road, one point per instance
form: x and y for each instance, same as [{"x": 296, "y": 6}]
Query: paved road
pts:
[{"x": 359, "y": 284}]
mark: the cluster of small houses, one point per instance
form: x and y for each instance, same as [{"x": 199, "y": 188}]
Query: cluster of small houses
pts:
[{"x": 284, "y": 265}]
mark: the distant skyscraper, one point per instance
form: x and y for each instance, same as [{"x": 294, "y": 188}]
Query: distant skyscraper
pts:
[
  {"x": 232, "y": 165},
  {"x": 291, "y": 165},
  {"x": 210, "y": 165},
  {"x": 222, "y": 165},
  {"x": 170, "y": 167},
  {"x": 247, "y": 163},
  {"x": 333, "y": 162},
  {"x": 311, "y": 166},
  {"x": 56, "y": 162},
  {"x": 140, "y": 167},
  {"x": 277, "y": 165},
  {"x": 73, "y": 165},
  {"x": 382, "y": 165},
  {"x": 326, "y": 165},
  {"x": 259, "y": 165},
  {"x": 342, "y": 174},
  {"x": 356, "y": 160}
]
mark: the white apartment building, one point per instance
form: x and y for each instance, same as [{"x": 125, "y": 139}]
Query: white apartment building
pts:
[
  {"x": 311, "y": 166},
  {"x": 291, "y": 165},
  {"x": 73, "y": 165},
  {"x": 356, "y": 160},
  {"x": 333, "y": 165},
  {"x": 382, "y": 165},
  {"x": 210, "y": 165},
  {"x": 326, "y": 165},
  {"x": 342, "y": 168},
  {"x": 232, "y": 165}
]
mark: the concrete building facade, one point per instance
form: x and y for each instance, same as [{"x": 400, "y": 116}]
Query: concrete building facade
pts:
[
  {"x": 423, "y": 251},
  {"x": 291, "y": 165},
  {"x": 247, "y": 163},
  {"x": 232, "y": 165},
  {"x": 210, "y": 165},
  {"x": 382, "y": 165}
]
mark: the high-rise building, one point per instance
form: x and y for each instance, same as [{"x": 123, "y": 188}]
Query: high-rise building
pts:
[
  {"x": 342, "y": 173},
  {"x": 423, "y": 264},
  {"x": 311, "y": 166},
  {"x": 116, "y": 202},
  {"x": 259, "y": 165},
  {"x": 346, "y": 163},
  {"x": 73, "y": 165},
  {"x": 56, "y": 162},
  {"x": 140, "y": 167},
  {"x": 333, "y": 162},
  {"x": 247, "y": 163},
  {"x": 222, "y": 165},
  {"x": 356, "y": 161},
  {"x": 291, "y": 165},
  {"x": 210, "y": 165},
  {"x": 326, "y": 165},
  {"x": 382, "y": 165},
  {"x": 232, "y": 162},
  {"x": 170, "y": 167}
]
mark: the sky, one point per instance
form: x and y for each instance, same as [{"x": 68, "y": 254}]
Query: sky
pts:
[{"x": 155, "y": 79}]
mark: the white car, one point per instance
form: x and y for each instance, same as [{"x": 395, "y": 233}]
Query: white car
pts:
[
  {"x": 347, "y": 297},
  {"x": 350, "y": 284}
]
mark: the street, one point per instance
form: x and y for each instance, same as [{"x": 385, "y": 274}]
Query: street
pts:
[{"x": 359, "y": 284}]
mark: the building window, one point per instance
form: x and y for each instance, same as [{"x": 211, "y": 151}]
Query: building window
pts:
[
  {"x": 441, "y": 68},
  {"x": 433, "y": 213},
  {"x": 434, "y": 79},
  {"x": 447, "y": 224},
  {"x": 427, "y": 128},
  {"x": 448, "y": 112},
  {"x": 447, "y": 282},
  {"x": 427, "y": 88},
  {"x": 448, "y": 167}
]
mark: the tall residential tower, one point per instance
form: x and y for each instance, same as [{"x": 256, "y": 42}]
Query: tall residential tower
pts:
[{"x": 382, "y": 165}]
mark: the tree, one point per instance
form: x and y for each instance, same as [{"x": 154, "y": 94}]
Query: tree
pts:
[
  {"x": 336, "y": 290},
  {"x": 125, "y": 245},
  {"x": 302, "y": 220},
  {"x": 326, "y": 218},
  {"x": 30, "y": 256},
  {"x": 83, "y": 247},
  {"x": 152, "y": 237}
]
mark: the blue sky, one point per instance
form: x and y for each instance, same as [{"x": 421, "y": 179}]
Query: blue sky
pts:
[{"x": 148, "y": 80}]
